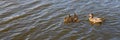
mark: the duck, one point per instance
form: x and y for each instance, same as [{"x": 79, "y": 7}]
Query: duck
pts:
[
  {"x": 75, "y": 18},
  {"x": 68, "y": 19},
  {"x": 95, "y": 20}
]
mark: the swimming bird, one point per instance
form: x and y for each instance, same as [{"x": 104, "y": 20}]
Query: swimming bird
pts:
[
  {"x": 95, "y": 20},
  {"x": 68, "y": 19},
  {"x": 75, "y": 18}
]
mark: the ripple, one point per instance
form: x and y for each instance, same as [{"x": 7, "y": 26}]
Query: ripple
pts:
[{"x": 43, "y": 20}]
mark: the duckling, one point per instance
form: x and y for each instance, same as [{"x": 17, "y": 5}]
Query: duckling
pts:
[
  {"x": 95, "y": 20},
  {"x": 75, "y": 18},
  {"x": 68, "y": 19}
]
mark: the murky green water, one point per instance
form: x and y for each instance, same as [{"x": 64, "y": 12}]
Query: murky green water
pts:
[{"x": 43, "y": 20}]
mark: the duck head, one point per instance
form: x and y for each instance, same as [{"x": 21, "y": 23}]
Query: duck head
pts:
[
  {"x": 69, "y": 16},
  {"x": 91, "y": 15}
]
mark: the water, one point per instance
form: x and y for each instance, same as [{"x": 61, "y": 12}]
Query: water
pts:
[{"x": 43, "y": 20}]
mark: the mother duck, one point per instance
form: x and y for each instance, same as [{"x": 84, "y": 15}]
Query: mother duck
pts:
[{"x": 95, "y": 20}]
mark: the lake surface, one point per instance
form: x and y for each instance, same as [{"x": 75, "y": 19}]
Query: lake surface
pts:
[{"x": 43, "y": 20}]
